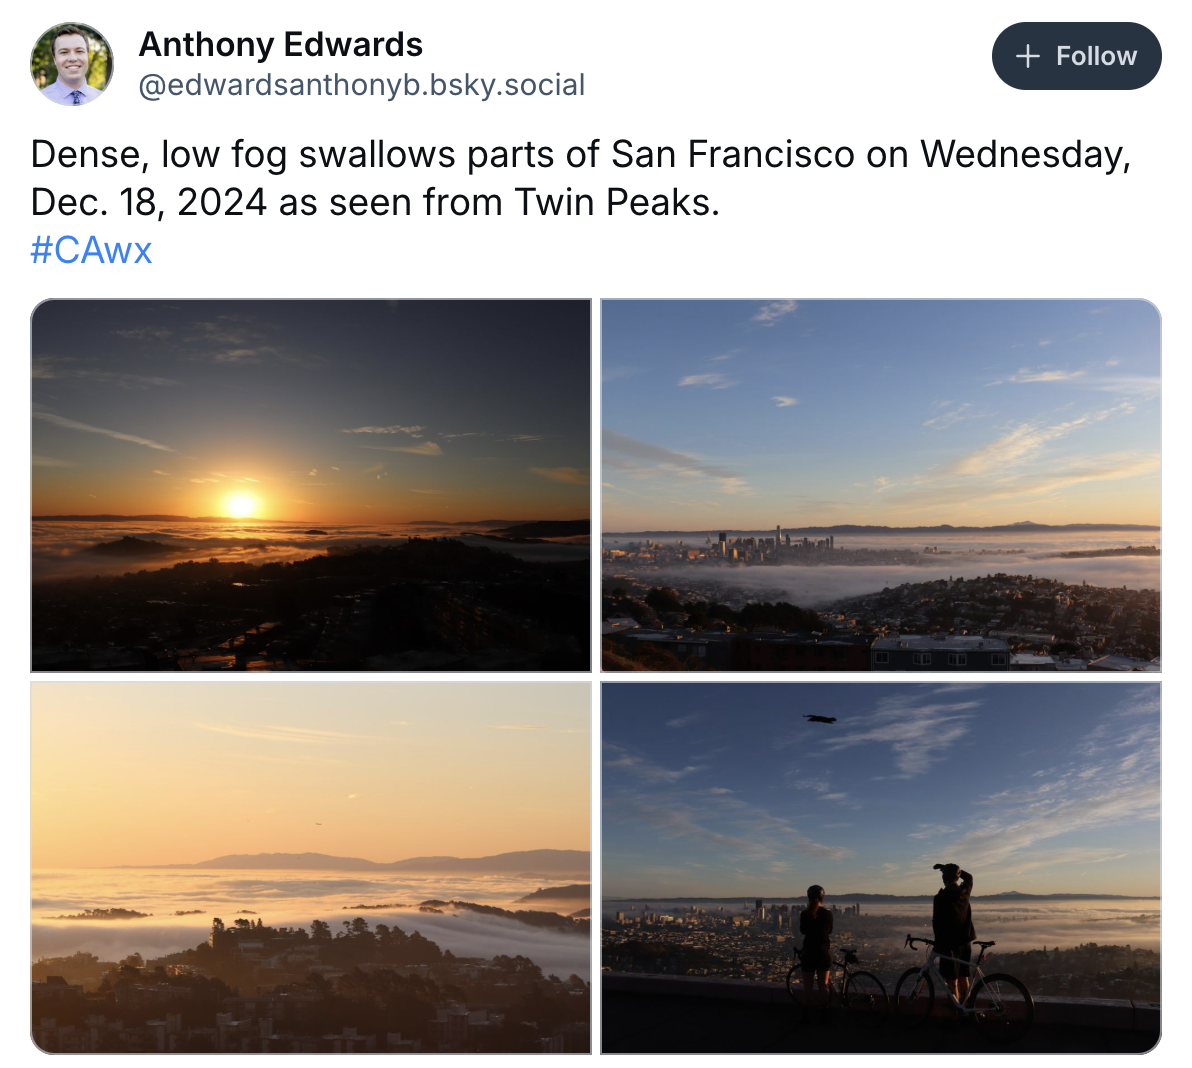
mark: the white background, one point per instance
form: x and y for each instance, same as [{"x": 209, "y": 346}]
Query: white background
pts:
[{"x": 860, "y": 74}]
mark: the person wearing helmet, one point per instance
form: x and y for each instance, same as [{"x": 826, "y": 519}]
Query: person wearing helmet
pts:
[
  {"x": 952, "y": 926},
  {"x": 815, "y": 924}
]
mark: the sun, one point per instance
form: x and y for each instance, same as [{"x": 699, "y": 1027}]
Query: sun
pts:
[{"x": 240, "y": 506}]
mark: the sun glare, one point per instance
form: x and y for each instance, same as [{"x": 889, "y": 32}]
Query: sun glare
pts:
[{"x": 240, "y": 506}]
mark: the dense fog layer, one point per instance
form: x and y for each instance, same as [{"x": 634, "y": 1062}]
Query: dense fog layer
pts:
[
  {"x": 292, "y": 899},
  {"x": 63, "y": 550}
]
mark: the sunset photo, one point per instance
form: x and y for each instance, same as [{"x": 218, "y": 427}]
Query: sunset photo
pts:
[
  {"x": 311, "y": 485},
  {"x": 347, "y": 867}
]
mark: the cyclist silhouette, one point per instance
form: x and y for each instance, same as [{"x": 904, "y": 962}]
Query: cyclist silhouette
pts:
[
  {"x": 952, "y": 926},
  {"x": 815, "y": 924}
]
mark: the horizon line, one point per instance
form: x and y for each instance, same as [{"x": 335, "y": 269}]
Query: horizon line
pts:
[{"x": 1022, "y": 524}]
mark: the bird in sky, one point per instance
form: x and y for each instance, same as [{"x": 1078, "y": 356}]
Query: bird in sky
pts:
[{"x": 820, "y": 719}]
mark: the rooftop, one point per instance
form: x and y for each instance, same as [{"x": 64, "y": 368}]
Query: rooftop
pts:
[{"x": 943, "y": 642}]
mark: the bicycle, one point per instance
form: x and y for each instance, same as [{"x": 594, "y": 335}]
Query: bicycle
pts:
[
  {"x": 999, "y": 1005},
  {"x": 861, "y": 994}
]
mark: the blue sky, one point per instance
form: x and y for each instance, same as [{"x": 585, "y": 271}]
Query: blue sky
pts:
[
  {"x": 723, "y": 789},
  {"x": 750, "y": 413},
  {"x": 328, "y": 411}
]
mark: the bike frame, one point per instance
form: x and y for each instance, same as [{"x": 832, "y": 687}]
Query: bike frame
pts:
[
  {"x": 842, "y": 964},
  {"x": 931, "y": 968}
]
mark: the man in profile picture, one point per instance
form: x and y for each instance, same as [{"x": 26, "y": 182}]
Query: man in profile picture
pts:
[{"x": 71, "y": 53}]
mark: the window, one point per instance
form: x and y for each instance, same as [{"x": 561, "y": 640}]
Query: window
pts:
[
  {"x": 998, "y": 660},
  {"x": 881, "y": 658},
  {"x": 957, "y": 659},
  {"x": 922, "y": 659}
]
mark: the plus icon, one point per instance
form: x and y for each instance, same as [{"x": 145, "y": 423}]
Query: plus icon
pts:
[{"x": 1028, "y": 56}]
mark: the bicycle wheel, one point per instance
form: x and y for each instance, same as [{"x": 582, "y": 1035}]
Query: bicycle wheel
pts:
[
  {"x": 913, "y": 996},
  {"x": 865, "y": 999},
  {"x": 794, "y": 987},
  {"x": 1003, "y": 1008}
]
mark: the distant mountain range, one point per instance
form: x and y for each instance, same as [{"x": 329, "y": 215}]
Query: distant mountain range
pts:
[
  {"x": 848, "y": 899},
  {"x": 557, "y": 893},
  {"x": 530, "y": 860},
  {"x": 942, "y": 528},
  {"x": 547, "y": 528}
]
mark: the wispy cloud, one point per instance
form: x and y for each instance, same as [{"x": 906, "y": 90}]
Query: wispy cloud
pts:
[
  {"x": 918, "y": 732},
  {"x": 1046, "y": 374},
  {"x": 68, "y": 367},
  {"x": 269, "y": 732},
  {"x": 143, "y": 333},
  {"x": 730, "y": 827},
  {"x": 427, "y": 448},
  {"x": 516, "y": 727},
  {"x": 50, "y": 461},
  {"x": 952, "y": 416},
  {"x": 641, "y": 459},
  {"x": 1025, "y": 442},
  {"x": 713, "y": 380},
  {"x": 572, "y": 475},
  {"x": 928, "y": 830},
  {"x": 784, "y": 402},
  {"x": 413, "y": 431},
  {"x": 642, "y": 768},
  {"x": 1091, "y": 377},
  {"x": 1026, "y": 825},
  {"x": 774, "y": 312},
  {"x": 73, "y": 424},
  {"x": 238, "y": 339}
]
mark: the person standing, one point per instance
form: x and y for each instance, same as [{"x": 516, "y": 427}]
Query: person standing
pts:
[
  {"x": 815, "y": 924},
  {"x": 952, "y": 926}
]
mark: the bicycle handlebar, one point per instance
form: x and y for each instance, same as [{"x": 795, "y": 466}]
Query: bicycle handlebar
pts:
[{"x": 911, "y": 941}]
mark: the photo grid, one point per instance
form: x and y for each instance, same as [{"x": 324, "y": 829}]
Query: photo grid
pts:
[{"x": 479, "y": 794}]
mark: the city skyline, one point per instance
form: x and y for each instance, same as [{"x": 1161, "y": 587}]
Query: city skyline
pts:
[
  {"x": 153, "y": 774},
  {"x": 317, "y": 411},
  {"x": 720, "y": 790},
  {"x": 741, "y": 414}
]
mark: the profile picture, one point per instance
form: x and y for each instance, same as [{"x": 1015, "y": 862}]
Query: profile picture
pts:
[{"x": 71, "y": 64}]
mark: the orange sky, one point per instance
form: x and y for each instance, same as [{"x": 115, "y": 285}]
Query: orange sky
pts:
[{"x": 159, "y": 773}]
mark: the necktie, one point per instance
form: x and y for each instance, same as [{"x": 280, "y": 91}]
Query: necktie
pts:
[{"x": 76, "y": 93}]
